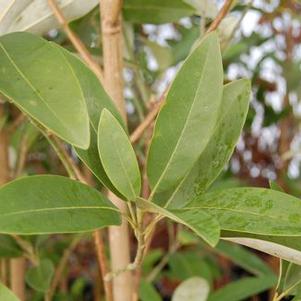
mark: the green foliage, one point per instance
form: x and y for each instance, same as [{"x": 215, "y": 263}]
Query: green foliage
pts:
[
  {"x": 53, "y": 204},
  {"x": 174, "y": 149},
  {"x": 39, "y": 85},
  {"x": 118, "y": 157},
  {"x": 6, "y": 294}
]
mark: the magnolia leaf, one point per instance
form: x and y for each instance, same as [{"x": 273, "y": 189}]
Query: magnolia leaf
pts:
[
  {"x": 252, "y": 210},
  {"x": 189, "y": 112},
  {"x": 203, "y": 224},
  {"x": 38, "y": 79},
  {"x": 39, "y": 277},
  {"x": 53, "y": 204},
  {"x": 96, "y": 100},
  {"x": 6, "y": 294},
  {"x": 118, "y": 157},
  {"x": 234, "y": 108},
  {"x": 36, "y": 16},
  {"x": 156, "y": 11},
  {"x": 193, "y": 289}
]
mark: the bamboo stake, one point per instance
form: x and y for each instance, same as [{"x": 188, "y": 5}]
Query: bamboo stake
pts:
[{"x": 113, "y": 67}]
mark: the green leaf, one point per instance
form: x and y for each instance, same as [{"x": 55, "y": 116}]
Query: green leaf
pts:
[
  {"x": 147, "y": 292},
  {"x": 188, "y": 116},
  {"x": 251, "y": 210},
  {"x": 232, "y": 115},
  {"x": 9, "y": 247},
  {"x": 37, "y": 16},
  {"x": 156, "y": 11},
  {"x": 118, "y": 157},
  {"x": 193, "y": 289},
  {"x": 39, "y": 277},
  {"x": 96, "y": 100},
  {"x": 243, "y": 288},
  {"x": 53, "y": 204},
  {"x": 6, "y": 294},
  {"x": 203, "y": 224},
  {"x": 39, "y": 80},
  {"x": 244, "y": 258},
  {"x": 275, "y": 186}
]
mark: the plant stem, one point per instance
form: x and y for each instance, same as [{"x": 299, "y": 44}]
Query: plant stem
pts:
[
  {"x": 113, "y": 78},
  {"x": 77, "y": 43}
]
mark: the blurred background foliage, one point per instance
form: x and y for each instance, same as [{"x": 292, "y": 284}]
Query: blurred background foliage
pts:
[{"x": 260, "y": 39}]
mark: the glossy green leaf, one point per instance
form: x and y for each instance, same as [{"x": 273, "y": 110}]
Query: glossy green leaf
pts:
[
  {"x": 118, "y": 157},
  {"x": 252, "y": 210},
  {"x": 188, "y": 116},
  {"x": 232, "y": 115},
  {"x": 39, "y": 80},
  {"x": 53, "y": 204},
  {"x": 6, "y": 294},
  {"x": 193, "y": 289},
  {"x": 243, "y": 288},
  {"x": 39, "y": 277},
  {"x": 96, "y": 100},
  {"x": 37, "y": 16},
  {"x": 147, "y": 292},
  {"x": 156, "y": 11},
  {"x": 203, "y": 224}
]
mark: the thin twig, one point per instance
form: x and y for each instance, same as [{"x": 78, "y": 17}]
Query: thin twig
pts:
[
  {"x": 60, "y": 268},
  {"x": 77, "y": 43},
  {"x": 220, "y": 16},
  {"x": 103, "y": 263}
]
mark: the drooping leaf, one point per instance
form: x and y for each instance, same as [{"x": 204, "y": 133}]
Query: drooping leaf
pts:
[
  {"x": 38, "y": 79},
  {"x": 39, "y": 277},
  {"x": 251, "y": 210},
  {"x": 96, "y": 100},
  {"x": 156, "y": 11},
  {"x": 187, "y": 119},
  {"x": 243, "y": 288},
  {"x": 203, "y": 224},
  {"x": 118, "y": 157},
  {"x": 36, "y": 16},
  {"x": 193, "y": 289},
  {"x": 53, "y": 204},
  {"x": 148, "y": 293},
  {"x": 6, "y": 294},
  {"x": 234, "y": 108}
]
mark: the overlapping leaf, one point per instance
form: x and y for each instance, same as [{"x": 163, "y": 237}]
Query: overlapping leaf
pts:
[
  {"x": 6, "y": 294},
  {"x": 187, "y": 119},
  {"x": 53, "y": 204},
  {"x": 118, "y": 157},
  {"x": 39, "y": 80},
  {"x": 232, "y": 115}
]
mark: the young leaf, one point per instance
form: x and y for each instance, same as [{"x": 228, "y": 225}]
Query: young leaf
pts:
[
  {"x": 38, "y": 79},
  {"x": 39, "y": 277},
  {"x": 252, "y": 210},
  {"x": 96, "y": 100},
  {"x": 156, "y": 11},
  {"x": 193, "y": 289},
  {"x": 37, "y": 16},
  {"x": 118, "y": 157},
  {"x": 147, "y": 292},
  {"x": 243, "y": 288},
  {"x": 187, "y": 119},
  {"x": 53, "y": 204},
  {"x": 232, "y": 115},
  {"x": 6, "y": 294},
  {"x": 203, "y": 224}
]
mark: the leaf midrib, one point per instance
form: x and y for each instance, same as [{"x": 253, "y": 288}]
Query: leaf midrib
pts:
[{"x": 184, "y": 127}]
